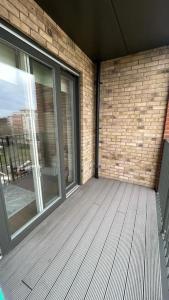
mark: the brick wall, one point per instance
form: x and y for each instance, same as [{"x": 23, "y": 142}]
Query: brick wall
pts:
[
  {"x": 134, "y": 94},
  {"x": 28, "y": 17}
]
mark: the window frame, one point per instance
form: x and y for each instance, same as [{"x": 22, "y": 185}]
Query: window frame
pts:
[{"x": 12, "y": 37}]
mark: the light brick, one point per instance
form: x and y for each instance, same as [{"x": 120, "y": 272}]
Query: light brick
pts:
[
  {"x": 132, "y": 117},
  {"x": 19, "y": 6},
  {"x": 133, "y": 99},
  {"x": 52, "y": 48},
  {"x": 10, "y": 7},
  {"x": 26, "y": 20},
  {"x": 46, "y": 36},
  {"x": 32, "y": 20},
  {"x": 39, "y": 39},
  {"x": 36, "y": 21},
  {"x": 14, "y": 20},
  {"x": 4, "y": 12}
]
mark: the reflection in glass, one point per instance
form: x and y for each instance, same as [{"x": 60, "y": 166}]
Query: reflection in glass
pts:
[
  {"x": 68, "y": 130},
  {"x": 47, "y": 137},
  {"x": 16, "y": 161},
  {"x": 28, "y": 140}
]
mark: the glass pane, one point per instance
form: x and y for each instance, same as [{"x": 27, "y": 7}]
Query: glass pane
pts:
[
  {"x": 16, "y": 140},
  {"x": 7, "y": 55},
  {"x": 46, "y": 128},
  {"x": 68, "y": 129}
]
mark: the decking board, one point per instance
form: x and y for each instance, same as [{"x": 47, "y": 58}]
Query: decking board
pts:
[
  {"x": 46, "y": 241},
  {"x": 110, "y": 261},
  {"x": 135, "y": 275},
  {"x": 78, "y": 259},
  {"x": 44, "y": 227},
  {"x": 117, "y": 280},
  {"x": 102, "y": 243},
  {"x": 40, "y": 232},
  {"x": 81, "y": 239},
  {"x": 40, "y": 268},
  {"x": 152, "y": 279}
]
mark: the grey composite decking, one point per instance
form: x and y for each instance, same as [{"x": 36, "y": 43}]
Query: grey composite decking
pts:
[{"x": 102, "y": 243}]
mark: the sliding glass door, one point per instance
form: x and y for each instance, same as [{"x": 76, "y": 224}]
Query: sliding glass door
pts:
[
  {"x": 29, "y": 155},
  {"x": 68, "y": 129},
  {"x": 17, "y": 139},
  {"x": 39, "y": 156},
  {"x": 46, "y": 132},
  {"x": 38, "y": 142}
]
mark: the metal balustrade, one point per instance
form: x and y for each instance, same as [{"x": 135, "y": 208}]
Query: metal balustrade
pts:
[
  {"x": 15, "y": 159},
  {"x": 164, "y": 200}
]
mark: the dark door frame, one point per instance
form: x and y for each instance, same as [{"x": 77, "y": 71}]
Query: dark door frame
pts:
[
  {"x": 15, "y": 39},
  {"x": 76, "y": 126}
]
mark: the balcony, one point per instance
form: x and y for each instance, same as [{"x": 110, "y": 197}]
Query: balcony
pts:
[
  {"x": 102, "y": 243},
  {"x": 84, "y": 128}
]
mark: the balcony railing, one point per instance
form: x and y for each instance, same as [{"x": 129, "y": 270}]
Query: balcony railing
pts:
[
  {"x": 15, "y": 158},
  {"x": 164, "y": 201}
]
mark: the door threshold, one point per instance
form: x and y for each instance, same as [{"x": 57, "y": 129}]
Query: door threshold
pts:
[{"x": 72, "y": 191}]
